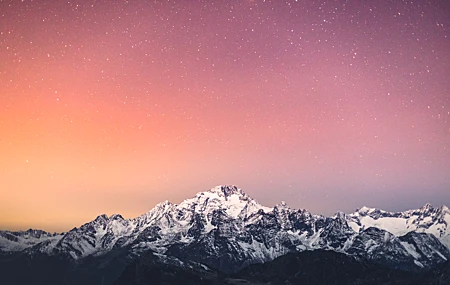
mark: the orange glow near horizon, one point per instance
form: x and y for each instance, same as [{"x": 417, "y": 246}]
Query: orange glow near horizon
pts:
[{"x": 114, "y": 107}]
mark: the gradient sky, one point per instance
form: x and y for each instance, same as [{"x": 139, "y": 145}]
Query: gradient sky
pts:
[{"x": 114, "y": 106}]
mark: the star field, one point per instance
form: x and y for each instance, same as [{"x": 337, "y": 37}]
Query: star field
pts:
[{"x": 114, "y": 106}]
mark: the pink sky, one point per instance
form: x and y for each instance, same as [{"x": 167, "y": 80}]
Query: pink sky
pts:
[{"x": 114, "y": 106}]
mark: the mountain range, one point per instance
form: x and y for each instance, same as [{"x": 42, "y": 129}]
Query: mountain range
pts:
[{"x": 223, "y": 231}]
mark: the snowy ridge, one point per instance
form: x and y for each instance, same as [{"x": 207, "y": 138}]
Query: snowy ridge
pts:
[
  {"x": 427, "y": 219},
  {"x": 232, "y": 200},
  {"x": 21, "y": 240},
  {"x": 226, "y": 229}
]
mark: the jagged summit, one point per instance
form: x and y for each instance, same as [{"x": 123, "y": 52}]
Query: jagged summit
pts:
[
  {"x": 227, "y": 190},
  {"x": 116, "y": 217},
  {"x": 164, "y": 205},
  {"x": 102, "y": 218},
  {"x": 224, "y": 223},
  {"x": 364, "y": 210},
  {"x": 33, "y": 233},
  {"x": 282, "y": 205},
  {"x": 341, "y": 215},
  {"x": 228, "y": 198},
  {"x": 374, "y": 212},
  {"x": 427, "y": 206}
]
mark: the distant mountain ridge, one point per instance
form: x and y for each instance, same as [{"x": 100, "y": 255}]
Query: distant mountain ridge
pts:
[{"x": 225, "y": 229}]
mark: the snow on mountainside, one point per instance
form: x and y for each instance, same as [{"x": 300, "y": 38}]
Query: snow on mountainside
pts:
[
  {"x": 95, "y": 237},
  {"x": 226, "y": 229},
  {"x": 232, "y": 200},
  {"x": 21, "y": 240},
  {"x": 427, "y": 219}
]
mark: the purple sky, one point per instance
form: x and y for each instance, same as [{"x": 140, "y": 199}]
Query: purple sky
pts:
[{"x": 114, "y": 106}]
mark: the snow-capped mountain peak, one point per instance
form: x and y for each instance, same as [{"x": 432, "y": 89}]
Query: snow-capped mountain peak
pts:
[
  {"x": 153, "y": 215},
  {"x": 232, "y": 200},
  {"x": 427, "y": 219},
  {"x": 226, "y": 191},
  {"x": 282, "y": 205},
  {"x": 427, "y": 209},
  {"x": 365, "y": 210},
  {"x": 427, "y": 206},
  {"x": 102, "y": 219},
  {"x": 115, "y": 217},
  {"x": 162, "y": 207},
  {"x": 224, "y": 222},
  {"x": 340, "y": 215}
]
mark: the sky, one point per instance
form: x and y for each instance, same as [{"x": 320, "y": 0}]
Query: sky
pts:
[{"x": 114, "y": 106}]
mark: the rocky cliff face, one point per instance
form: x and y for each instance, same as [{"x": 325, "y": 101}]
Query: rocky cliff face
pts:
[{"x": 226, "y": 229}]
